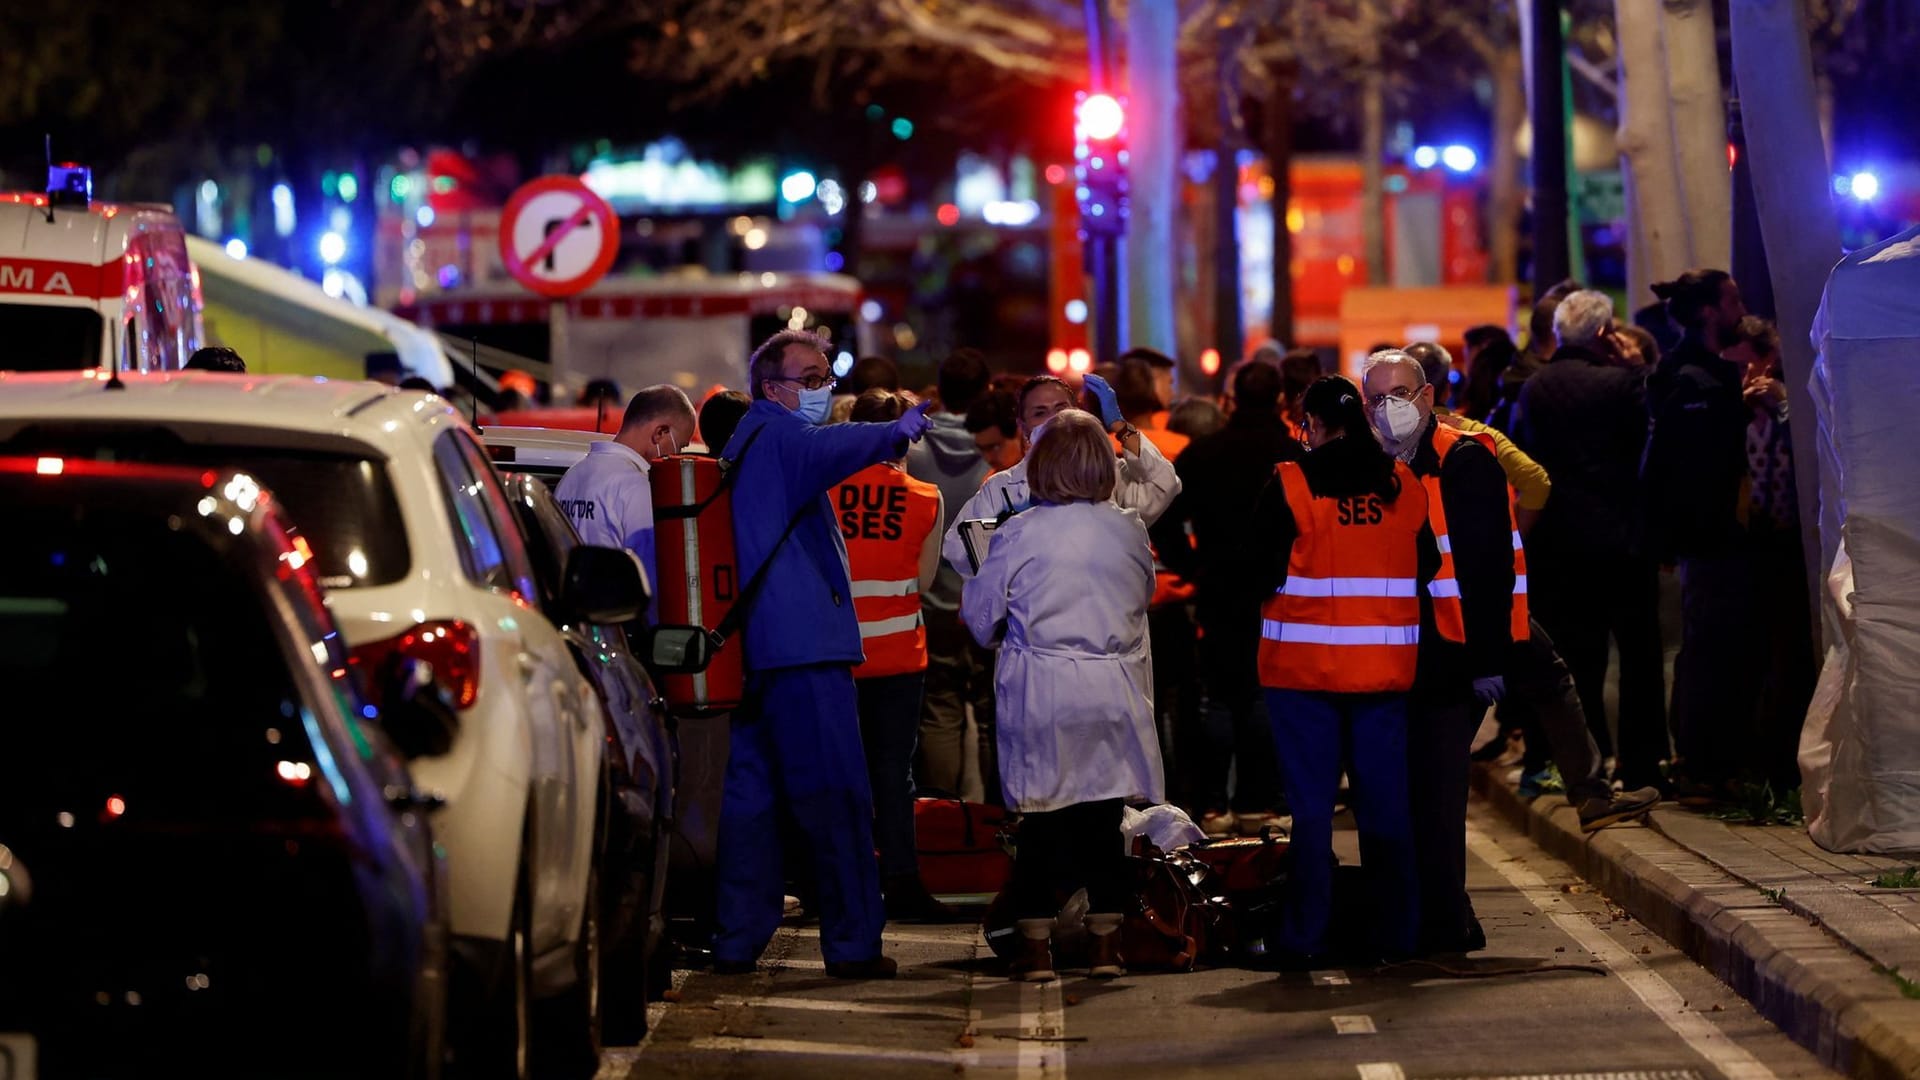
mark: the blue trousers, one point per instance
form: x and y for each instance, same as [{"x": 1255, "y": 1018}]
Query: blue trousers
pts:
[
  {"x": 890, "y": 729},
  {"x": 796, "y": 741},
  {"x": 1312, "y": 734}
]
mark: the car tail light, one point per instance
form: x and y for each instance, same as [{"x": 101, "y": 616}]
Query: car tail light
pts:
[{"x": 450, "y": 646}]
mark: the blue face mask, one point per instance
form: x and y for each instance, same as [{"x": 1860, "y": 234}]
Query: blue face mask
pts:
[{"x": 814, "y": 404}]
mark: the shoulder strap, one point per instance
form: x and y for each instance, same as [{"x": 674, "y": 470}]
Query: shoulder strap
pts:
[{"x": 730, "y": 624}]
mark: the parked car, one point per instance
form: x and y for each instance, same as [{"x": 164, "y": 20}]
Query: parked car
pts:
[
  {"x": 642, "y": 761},
  {"x": 546, "y": 453},
  {"x": 414, "y": 540},
  {"x": 212, "y": 858}
]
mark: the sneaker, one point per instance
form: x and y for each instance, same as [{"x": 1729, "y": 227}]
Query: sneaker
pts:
[
  {"x": 1217, "y": 823},
  {"x": 1544, "y": 782},
  {"x": 880, "y": 967},
  {"x": 1597, "y": 814},
  {"x": 1033, "y": 962}
]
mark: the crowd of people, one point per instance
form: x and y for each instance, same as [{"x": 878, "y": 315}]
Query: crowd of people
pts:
[{"x": 1231, "y": 604}]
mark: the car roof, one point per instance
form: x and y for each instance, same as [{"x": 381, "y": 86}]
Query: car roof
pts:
[
  {"x": 538, "y": 448},
  {"x": 364, "y": 411}
]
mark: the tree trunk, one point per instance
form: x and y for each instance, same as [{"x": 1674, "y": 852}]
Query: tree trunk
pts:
[
  {"x": 1657, "y": 234},
  {"x": 1699, "y": 129},
  {"x": 1548, "y": 105},
  {"x": 1373, "y": 151},
  {"x": 1279, "y": 151},
  {"x": 1774, "y": 70},
  {"x": 1505, "y": 197},
  {"x": 1153, "y": 108}
]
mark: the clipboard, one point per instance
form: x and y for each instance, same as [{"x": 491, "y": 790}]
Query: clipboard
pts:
[{"x": 976, "y": 534}]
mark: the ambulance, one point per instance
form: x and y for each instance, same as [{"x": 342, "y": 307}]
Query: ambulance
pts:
[{"x": 89, "y": 284}]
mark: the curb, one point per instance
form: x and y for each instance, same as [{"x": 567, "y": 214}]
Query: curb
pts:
[{"x": 1808, "y": 983}]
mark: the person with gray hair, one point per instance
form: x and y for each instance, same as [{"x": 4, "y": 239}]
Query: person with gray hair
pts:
[
  {"x": 1583, "y": 417},
  {"x": 608, "y": 494}
]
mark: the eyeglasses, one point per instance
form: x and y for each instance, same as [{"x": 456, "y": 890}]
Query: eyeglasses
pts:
[
  {"x": 1398, "y": 393},
  {"x": 813, "y": 382}
]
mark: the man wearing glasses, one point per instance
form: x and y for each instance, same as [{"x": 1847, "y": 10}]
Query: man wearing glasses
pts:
[
  {"x": 796, "y": 738},
  {"x": 1472, "y": 611}
]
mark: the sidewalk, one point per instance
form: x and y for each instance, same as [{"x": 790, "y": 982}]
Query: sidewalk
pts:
[{"x": 1796, "y": 930}]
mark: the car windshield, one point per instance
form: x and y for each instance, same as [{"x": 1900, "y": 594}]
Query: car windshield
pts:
[
  {"x": 141, "y": 672},
  {"x": 42, "y": 337}
]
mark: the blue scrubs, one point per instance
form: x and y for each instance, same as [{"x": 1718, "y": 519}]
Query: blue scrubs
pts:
[
  {"x": 796, "y": 739},
  {"x": 1314, "y": 732}
]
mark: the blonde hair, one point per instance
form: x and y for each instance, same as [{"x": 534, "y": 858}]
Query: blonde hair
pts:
[{"x": 1072, "y": 460}]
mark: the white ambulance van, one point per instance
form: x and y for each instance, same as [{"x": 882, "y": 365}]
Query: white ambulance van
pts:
[{"x": 88, "y": 284}]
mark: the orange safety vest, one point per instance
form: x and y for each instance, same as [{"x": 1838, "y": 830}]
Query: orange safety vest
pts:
[
  {"x": 1445, "y": 587},
  {"x": 885, "y": 518},
  {"x": 1347, "y": 620}
]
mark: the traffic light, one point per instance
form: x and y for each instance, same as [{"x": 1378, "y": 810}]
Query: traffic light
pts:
[{"x": 1100, "y": 163}]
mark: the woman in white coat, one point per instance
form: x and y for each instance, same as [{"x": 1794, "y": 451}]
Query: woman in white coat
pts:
[{"x": 1064, "y": 592}]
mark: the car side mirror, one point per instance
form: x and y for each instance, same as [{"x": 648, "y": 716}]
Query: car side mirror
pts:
[
  {"x": 603, "y": 585},
  {"x": 416, "y": 712},
  {"x": 678, "y": 650}
]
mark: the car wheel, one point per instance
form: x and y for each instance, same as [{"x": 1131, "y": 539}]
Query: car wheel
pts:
[
  {"x": 566, "y": 1038},
  {"x": 493, "y": 1035},
  {"x": 626, "y": 967}
]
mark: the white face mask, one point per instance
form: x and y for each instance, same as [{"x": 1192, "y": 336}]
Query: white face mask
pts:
[{"x": 1396, "y": 420}]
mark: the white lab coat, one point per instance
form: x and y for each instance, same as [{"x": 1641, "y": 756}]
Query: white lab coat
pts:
[
  {"x": 1064, "y": 591},
  {"x": 1144, "y": 482}
]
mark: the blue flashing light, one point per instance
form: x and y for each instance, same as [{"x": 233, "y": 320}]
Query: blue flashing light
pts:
[
  {"x": 1864, "y": 186},
  {"x": 1425, "y": 157},
  {"x": 798, "y": 186},
  {"x": 1459, "y": 158}
]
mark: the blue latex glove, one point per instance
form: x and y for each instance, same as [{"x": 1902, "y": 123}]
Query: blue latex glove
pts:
[
  {"x": 1109, "y": 401},
  {"x": 1489, "y": 689},
  {"x": 912, "y": 424}
]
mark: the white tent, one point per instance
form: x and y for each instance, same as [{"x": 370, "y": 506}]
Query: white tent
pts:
[{"x": 1860, "y": 749}]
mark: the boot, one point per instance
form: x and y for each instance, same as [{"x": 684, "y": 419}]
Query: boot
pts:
[
  {"x": 1103, "y": 935},
  {"x": 1034, "y": 961},
  {"x": 908, "y": 900}
]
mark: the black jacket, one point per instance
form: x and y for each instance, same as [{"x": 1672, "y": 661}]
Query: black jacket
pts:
[
  {"x": 1221, "y": 476},
  {"x": 1695, "y": 469},
  {"x": 1473, "y": 490},
  {"x": 1585, "y": 421}
]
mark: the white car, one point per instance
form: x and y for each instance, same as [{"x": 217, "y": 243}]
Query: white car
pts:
[
  {"x": 543, "y": 452},
  {"x": 420, "y": 555}
]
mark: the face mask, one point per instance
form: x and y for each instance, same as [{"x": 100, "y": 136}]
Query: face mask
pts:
[
  {"x": 1396, "y": 419},
  {"x": 1034, "y": 435},
  {"x": 814, "y": 404}
]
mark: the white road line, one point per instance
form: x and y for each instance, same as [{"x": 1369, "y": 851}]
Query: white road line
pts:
[
  {"x": 1330, "y": 978},
  {"x": 1043, "y": 1021},
  {"x": 1659, "y": 996},
  {"x": 803, "y": 1048},
  {"x": 1352, "y": 1025},
  {"x": 1381, "y": 1070},
  {"x": 897, "y": 1010}
]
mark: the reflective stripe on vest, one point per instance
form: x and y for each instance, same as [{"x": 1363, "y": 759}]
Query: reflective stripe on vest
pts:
[
  {"x": 1448, "y": 618},
  {"x": 1347, "y": 619},
  {"x": 885, "y": 517}
]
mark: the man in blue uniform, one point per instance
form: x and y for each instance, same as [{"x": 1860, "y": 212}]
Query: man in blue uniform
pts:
[{"x": 796, "y": 738}]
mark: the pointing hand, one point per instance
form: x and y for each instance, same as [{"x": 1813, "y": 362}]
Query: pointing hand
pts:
[{"x": 913, "y": 423}]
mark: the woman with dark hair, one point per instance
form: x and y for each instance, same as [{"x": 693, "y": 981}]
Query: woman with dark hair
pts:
[
  {"x": 1490, "y": 351},
  {"x": 1340, "y": 635},
  {"x": 1695, "y": 478}
]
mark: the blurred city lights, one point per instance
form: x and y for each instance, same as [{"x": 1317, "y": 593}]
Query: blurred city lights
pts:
[
  {"x": 1057, "y": 360},
  {"x": 948, "y": 214},
  {"x": 1079, "y": 361},
  {"x": 1459, "y": 158},
  {"x": 1101, "y": 116},
  {"x": 236, "y": 248},
  {"x": 842, "y": 364},
  {"x": 1015, "y": 213},
  {"x": 835, "y": 260},
  {"x": 1425, "y": 157},
  {"x": 1056, "y": 174},
  {"x": 869, "y": 191},
  {"x": 755, "y": 239},
  {"x": 283, "y": 220},
  {"x": 1076, "y": 311},
  {"x": 424, "y": 216},
  {"x": 1864, "y": 186},
  {"x": 349, "y": 187},
  {"x": 902, "y": 128},
  {"x": 333, "y": 247},
  {"x": 833, "y": 197},
  {"x": 871, "y": 311},
  {"x": 1209, "y": 361},
  {"x": 797, "y": 186},
  {"x": 401, "y": 187},
  {"x": 209, "y": 190}
]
